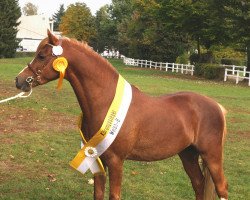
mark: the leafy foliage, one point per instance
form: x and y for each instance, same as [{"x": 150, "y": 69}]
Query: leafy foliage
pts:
[
  {"x": 163, "y": 30},
  {"x": 237, "y": 16},
  {"x": 30, "y": 9},
  {"x": 77, "y": 22},
  {"x": 209, "y": 71},
  {"x": 106, "y": 29},
  {"x": 9, "y": 14},
  {"x": 57, "y": 17},
  {"x": 135, "y": 29}
]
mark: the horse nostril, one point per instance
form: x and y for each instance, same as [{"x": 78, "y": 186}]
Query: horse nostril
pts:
[{"x": 18, "y": 85}]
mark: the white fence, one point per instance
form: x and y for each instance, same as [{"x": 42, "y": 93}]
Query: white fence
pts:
[
  {"x": 174, "y": 67},
  {"x": 237, "y": 72}
]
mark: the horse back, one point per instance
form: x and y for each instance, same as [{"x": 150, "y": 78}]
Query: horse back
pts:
[{"x": 160, "y": 127}]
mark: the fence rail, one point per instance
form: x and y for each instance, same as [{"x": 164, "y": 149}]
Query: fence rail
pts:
[
  {"x": 234, "y": 71},
  {"x": 237, "y": 72},
  {"x": 174, "y": 67}
]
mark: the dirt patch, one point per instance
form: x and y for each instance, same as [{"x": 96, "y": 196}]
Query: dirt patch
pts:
[
  {"x": 8, "y": 165},
  {"x": 236, "y": 120},
  {"x": 7, "y": 141},
  {"x": 238, "y": 136},
  {"x": 21, "y": 121},
  {"x": 244, "y": 135}
]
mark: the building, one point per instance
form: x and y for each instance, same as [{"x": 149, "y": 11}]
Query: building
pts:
[{"x": 32, "y": 30}]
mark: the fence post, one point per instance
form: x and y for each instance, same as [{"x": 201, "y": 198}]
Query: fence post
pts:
[
  {"x": 244, "y": 71},
  {"x": 225, "y": 75},
  {"x": 172, "y": 67},
  {"x": 182, "y": 68},
  {"x": 237, "y": 77},
  {"x": 177, "y": 67},
  {"x": 192, "y": 70},
  {"x": 249, "y": 79},
  {"x": 166, "y": 66},
  {"x": 233, "y": 69},
  {"x": 150, "y": 65}
]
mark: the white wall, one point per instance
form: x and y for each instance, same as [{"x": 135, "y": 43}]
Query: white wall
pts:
[{"x": 32, "y": 30}]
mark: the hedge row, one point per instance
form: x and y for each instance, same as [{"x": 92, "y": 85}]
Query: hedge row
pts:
[
  {"x": 209, "y": 71},
  {"x": 24, "y": 54}
]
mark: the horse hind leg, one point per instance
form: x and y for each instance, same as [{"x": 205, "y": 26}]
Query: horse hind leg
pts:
[
  {"x": 189, "y": 158},
  {"x": 211, "y": 153},
  {"x": 213, "y": 160}
]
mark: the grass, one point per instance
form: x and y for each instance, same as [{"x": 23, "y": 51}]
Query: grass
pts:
[{"x": 38, "y": 138}]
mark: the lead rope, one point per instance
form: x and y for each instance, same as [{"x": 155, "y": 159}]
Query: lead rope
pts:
[
  {"x": 20, "y": 95},
  {"x": 29, "y": 80}
]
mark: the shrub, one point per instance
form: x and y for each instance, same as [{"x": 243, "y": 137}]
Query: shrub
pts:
[
  {"x": 199, "y": 69},
  {"x": 24, "y": 54},
  {"x": 229, "y": 55},
  {"x": 207, "y": 57},
  {"x": 203, "y": 58},
  {"x": 194, "y": 58},
  {"x": 183, "y": 58},
  {"x": 209, "y": 71},
  {"x": 229, "y": 61}
]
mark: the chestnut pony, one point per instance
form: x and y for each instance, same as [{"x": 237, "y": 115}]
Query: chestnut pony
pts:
[{"x": 155, "y": 128}]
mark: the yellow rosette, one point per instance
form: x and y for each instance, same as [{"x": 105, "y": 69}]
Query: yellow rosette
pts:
[{"x": 60, "y": 64}]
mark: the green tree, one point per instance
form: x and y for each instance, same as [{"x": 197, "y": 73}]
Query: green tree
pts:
[
  {"x": 78, "y": 23},
  {"x": 210, "y": 22},
  {"x": 106, "y": 29},
  {"x": 236, "y": 14},
  {"x": 9, "y": 14},
  {"x": 57, "y": 17},
  {"x": 143, "y": 34},
  {"x": 189, "y": 16},
  {"x": 121, "y": 12},
  {"x": 30, "y": 9}
]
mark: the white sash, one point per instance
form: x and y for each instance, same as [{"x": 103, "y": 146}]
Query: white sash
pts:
[{"x": 99, "y": 143}]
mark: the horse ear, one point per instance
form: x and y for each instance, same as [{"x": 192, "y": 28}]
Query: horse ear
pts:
[{"x": 52, "y": 38}]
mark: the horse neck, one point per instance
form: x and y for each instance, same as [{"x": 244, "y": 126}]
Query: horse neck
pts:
[{"x": 94, "y": 82}]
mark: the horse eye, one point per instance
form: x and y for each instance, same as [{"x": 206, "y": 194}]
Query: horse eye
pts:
[{"x": 41, "y": 57}]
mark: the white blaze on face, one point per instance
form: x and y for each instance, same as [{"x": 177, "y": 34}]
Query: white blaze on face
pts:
[
  {"x": 32, "y": 61},
  {"x": 22, "y": 70},
  {"x": 26, "y": 67},
  {"x": 223, "y": 199}
]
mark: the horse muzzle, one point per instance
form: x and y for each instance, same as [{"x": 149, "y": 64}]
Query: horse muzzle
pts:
[{"x": 24, "y": 84}]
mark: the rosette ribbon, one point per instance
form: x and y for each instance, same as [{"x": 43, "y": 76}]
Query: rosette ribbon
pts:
[{"x": 60, "y": 64}]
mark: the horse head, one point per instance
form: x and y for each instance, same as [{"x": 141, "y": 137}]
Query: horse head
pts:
[{"x": 40, "y": 70}]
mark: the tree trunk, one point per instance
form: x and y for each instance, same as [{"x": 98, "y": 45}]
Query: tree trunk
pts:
[
  {"x": 199, "y": 47},
  {"x": 248, "y": 58}
]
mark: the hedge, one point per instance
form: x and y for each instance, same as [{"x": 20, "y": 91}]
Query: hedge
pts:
[
  {"x": 230, "y": 61},
  {"x": 209, "y": 71},
  {"x": 24, "y": 54}
]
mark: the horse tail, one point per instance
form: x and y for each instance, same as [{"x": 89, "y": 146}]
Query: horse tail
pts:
[
  {"x": 224, "y": 112},
  {"x": 209, "y": 187}
]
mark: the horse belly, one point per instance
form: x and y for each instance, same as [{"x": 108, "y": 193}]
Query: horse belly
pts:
[
  {"x": 167, "y": 126},
  {"x": 160, "y": 141}
]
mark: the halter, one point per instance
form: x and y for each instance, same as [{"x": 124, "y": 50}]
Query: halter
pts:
[
  {"x": 37, "y": 73},
  {"x": 56, "y": 51}
]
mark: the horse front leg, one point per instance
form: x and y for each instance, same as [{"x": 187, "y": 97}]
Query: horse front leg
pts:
[
  {"x": 99, "y": 186},
  {"x": 115, "y": 168}
]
